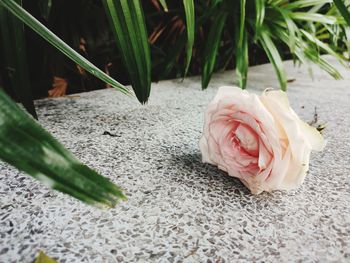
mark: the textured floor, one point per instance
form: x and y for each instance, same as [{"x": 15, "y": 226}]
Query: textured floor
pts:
[{"x": 180, "y": 210}]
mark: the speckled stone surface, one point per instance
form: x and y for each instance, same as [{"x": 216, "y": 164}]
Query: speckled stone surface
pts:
[{"x": 180, "y": 210}]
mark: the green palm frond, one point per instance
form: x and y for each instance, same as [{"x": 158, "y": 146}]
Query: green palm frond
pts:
[
  {"x": 28, "y": 147},
  {"x": 128, "y": 24}
]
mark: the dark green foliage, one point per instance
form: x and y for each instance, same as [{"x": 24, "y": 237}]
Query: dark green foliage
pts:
[
  {"x": 15, "y": 58},
  {"x": 58, "y": 43},
  {"x": 197, "y": 37},
  {"x": 343, "y": 9},
  {"x": 212, "y": 46},
  {"x": 228, "y": 31}
]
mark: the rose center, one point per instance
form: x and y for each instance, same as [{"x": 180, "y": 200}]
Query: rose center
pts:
[{"x": 246, "y": 138}]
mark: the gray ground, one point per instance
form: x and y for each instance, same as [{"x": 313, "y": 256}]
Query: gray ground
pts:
[{"x": 180, "y": 210}]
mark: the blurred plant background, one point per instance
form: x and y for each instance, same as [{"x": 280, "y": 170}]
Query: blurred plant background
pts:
[
  {"x": 185, "y": 37},
  {"x": 82, "y": 45}
]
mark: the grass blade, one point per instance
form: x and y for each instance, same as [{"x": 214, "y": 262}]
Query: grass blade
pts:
[
  {"x": 128, "y": 24},
  {"x": 274, "y": 58},
  {"x": 15, "y": 58},
  {"x": 190, "y": 28},
  {"x": 27, "y": 146},
  {"x": 211, "y": 48},
  {"x": 58, "y": 43}
]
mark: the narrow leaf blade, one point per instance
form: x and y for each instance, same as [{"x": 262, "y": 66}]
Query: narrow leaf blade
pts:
[
  {"x": 190, "y": 28},
  {"x": 260, "y": 16},
  {"x": 128, "y": 24},
  {"x": 274, "y": 58},
  {"x": 242, "y": 49},
  {"x": 27, "y": 146},
  {"x": 343, "y": 10},
  {"x": 211, "y": 48},
  {"x": 242, "y": 62}
]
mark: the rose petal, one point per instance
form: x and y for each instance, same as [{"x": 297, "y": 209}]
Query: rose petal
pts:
[
  {"x": 264, "y": 156},
  {"x": 277, "y": 103},
  {"x": 203, "y": 145}
]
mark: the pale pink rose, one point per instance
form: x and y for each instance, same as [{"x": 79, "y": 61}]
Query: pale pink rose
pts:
[{"x": 258, "y": 139}]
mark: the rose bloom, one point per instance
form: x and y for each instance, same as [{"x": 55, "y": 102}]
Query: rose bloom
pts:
[{"x": 258, "y": 139}]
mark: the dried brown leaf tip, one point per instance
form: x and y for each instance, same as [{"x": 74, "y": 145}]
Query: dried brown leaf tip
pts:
[{"x": 316, "y": 123}]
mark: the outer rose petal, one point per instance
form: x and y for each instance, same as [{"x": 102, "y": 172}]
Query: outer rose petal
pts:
[
  {"x": 295, "y": 174},
  {"x": 203, "y": 145},
  {"x": 301, "y": 138},
  {"x": 277, "y": 103}
]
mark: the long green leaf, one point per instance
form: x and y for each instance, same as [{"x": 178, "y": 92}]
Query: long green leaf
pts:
[
  {"x": 260, "y": 16},
  {"x": 15, "y": 58},
  {"x": 50, "y": 37},
  {"x": 274, "y": 58},
  {"x": 211, "y": 48},
  {"x": 314, "y": 17},
  {"x": 128, "y": 24},
  {"x": 323, "y": 46},
  {"x": 312, "y": 54},
  {"x": 242, "y": 62},
  {"x": 190, "y": 28},
  {"x": 241, "y": 22},
  {"x": 304, "y": 3},
  {"x": 304, "y": 51},
  {"x": 242, "y": 49},
  {"x": 343, "y": 10},
  {"x": 27, "y": 146},
  {"x": 291, "y": 26}
]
